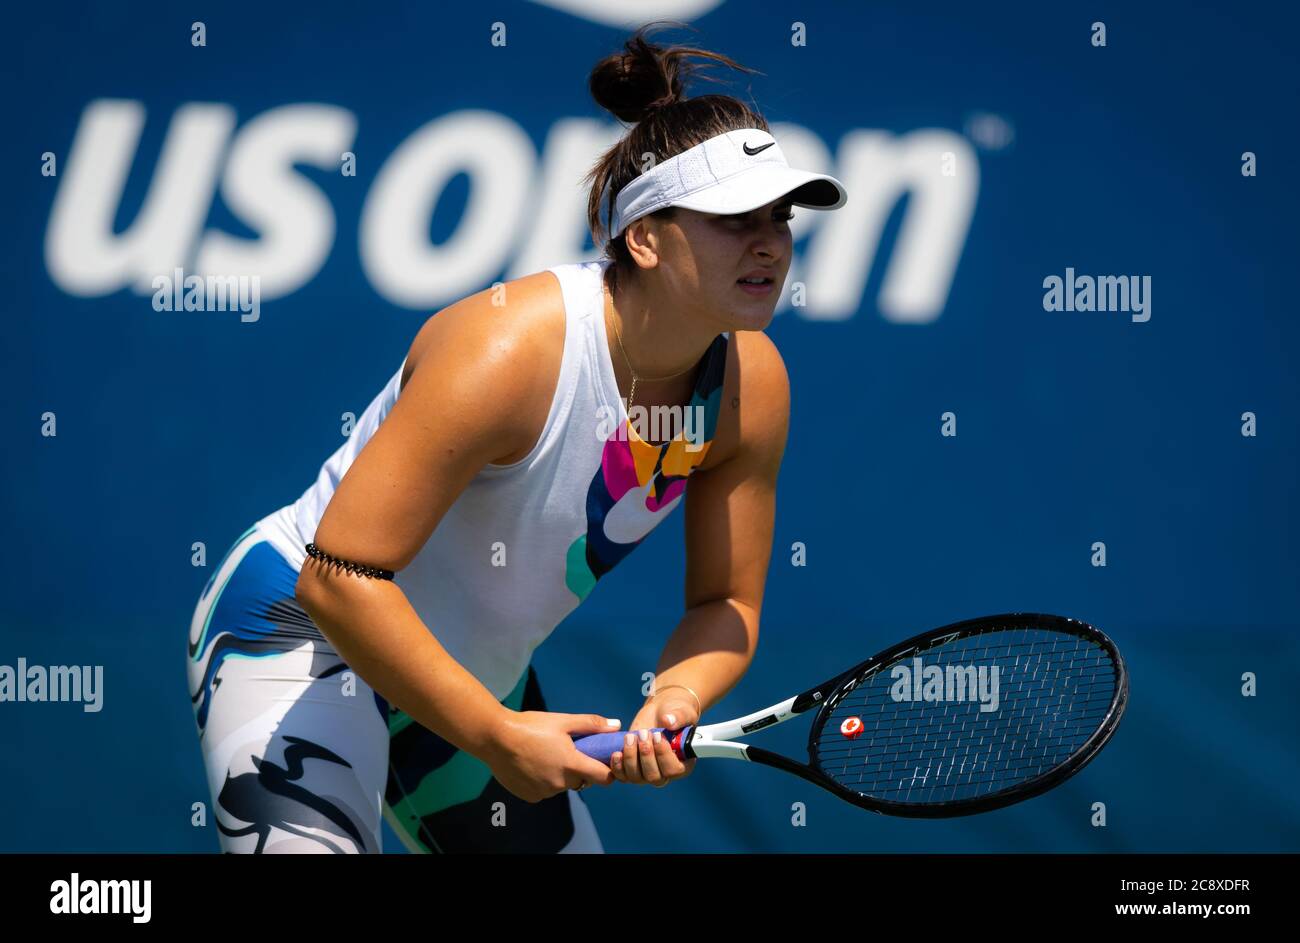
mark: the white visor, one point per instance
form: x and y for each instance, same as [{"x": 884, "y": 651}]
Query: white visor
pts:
[{"x": 732, "y": 173}]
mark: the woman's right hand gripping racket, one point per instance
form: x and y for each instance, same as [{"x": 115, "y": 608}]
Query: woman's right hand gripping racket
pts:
[{"x": 962, "y": 719}]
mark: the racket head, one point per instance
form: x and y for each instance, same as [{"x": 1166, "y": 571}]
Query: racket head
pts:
[{"x": 1092, "y": 698}]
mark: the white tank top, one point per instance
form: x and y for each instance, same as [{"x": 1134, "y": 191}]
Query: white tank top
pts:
[{"x": 525, "y": 543}]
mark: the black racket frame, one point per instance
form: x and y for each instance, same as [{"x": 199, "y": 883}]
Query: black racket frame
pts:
[{"x": 829, "y": 694}]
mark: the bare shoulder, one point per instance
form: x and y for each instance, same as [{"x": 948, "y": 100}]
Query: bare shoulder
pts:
[
  {"x": 755, "y": 411},
  {"x": 521, "y": 312},
  {"x": 473, "y": 397},
  {"x": 512, "y": 333}
]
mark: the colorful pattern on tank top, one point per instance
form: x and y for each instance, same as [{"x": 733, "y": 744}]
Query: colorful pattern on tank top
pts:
[{"x": 638, "y": 484}]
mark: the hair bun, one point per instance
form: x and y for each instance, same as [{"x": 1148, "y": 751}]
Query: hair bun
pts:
[
  {"x": 639, "y": 79},
  {"x": 662, "y": 102}
]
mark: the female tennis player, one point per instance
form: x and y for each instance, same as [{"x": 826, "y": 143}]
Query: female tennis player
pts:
[{"x": 365, "y": 652}]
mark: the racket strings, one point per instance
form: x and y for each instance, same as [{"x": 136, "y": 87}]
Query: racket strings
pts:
[{"x": 969, "y": 716}]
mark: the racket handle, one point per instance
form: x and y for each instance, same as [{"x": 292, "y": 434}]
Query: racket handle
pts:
[{"x": 601, "y": 746}]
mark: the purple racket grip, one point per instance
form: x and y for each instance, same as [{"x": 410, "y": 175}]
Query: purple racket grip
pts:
[{"x": 601, "y": 746}]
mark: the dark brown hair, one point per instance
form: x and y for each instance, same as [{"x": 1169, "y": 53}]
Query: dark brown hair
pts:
[{"x": 644, "y": 84}]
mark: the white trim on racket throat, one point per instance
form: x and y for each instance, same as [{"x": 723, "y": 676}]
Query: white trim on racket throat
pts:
[{"x": 714, "y": 740}]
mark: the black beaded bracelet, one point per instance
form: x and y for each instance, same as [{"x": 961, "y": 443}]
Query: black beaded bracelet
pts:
[{"x": 359, "y": 568}]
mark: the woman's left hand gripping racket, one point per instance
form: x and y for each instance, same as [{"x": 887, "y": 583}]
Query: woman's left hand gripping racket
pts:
[{"x": 965, "y": 718}]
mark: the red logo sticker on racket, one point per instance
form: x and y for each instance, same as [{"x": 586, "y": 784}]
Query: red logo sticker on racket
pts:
[{"x": 1080, "y": 685}]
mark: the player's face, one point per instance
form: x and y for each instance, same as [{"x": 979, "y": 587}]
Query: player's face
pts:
[{"x": 709, "y": 259}]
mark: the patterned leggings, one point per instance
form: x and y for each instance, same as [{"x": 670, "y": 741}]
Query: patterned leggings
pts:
[{"x": 302, "y": 756}]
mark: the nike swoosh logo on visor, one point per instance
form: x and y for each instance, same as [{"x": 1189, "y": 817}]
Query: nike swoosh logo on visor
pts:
[{"x": 745, "y": 148}]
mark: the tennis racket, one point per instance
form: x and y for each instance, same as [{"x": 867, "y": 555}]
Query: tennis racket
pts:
[{"x": 961, "y": 719}]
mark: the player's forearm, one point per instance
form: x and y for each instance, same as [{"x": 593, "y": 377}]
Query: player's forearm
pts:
[
  {"x": 710, "y": 650},
  {"x": 372, "y": 626}
]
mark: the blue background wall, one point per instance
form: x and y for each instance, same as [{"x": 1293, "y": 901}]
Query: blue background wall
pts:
[{"x": 1073, "y": 427}]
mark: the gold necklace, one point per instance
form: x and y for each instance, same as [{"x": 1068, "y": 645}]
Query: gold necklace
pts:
[{"x": 631, "y": 395}]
